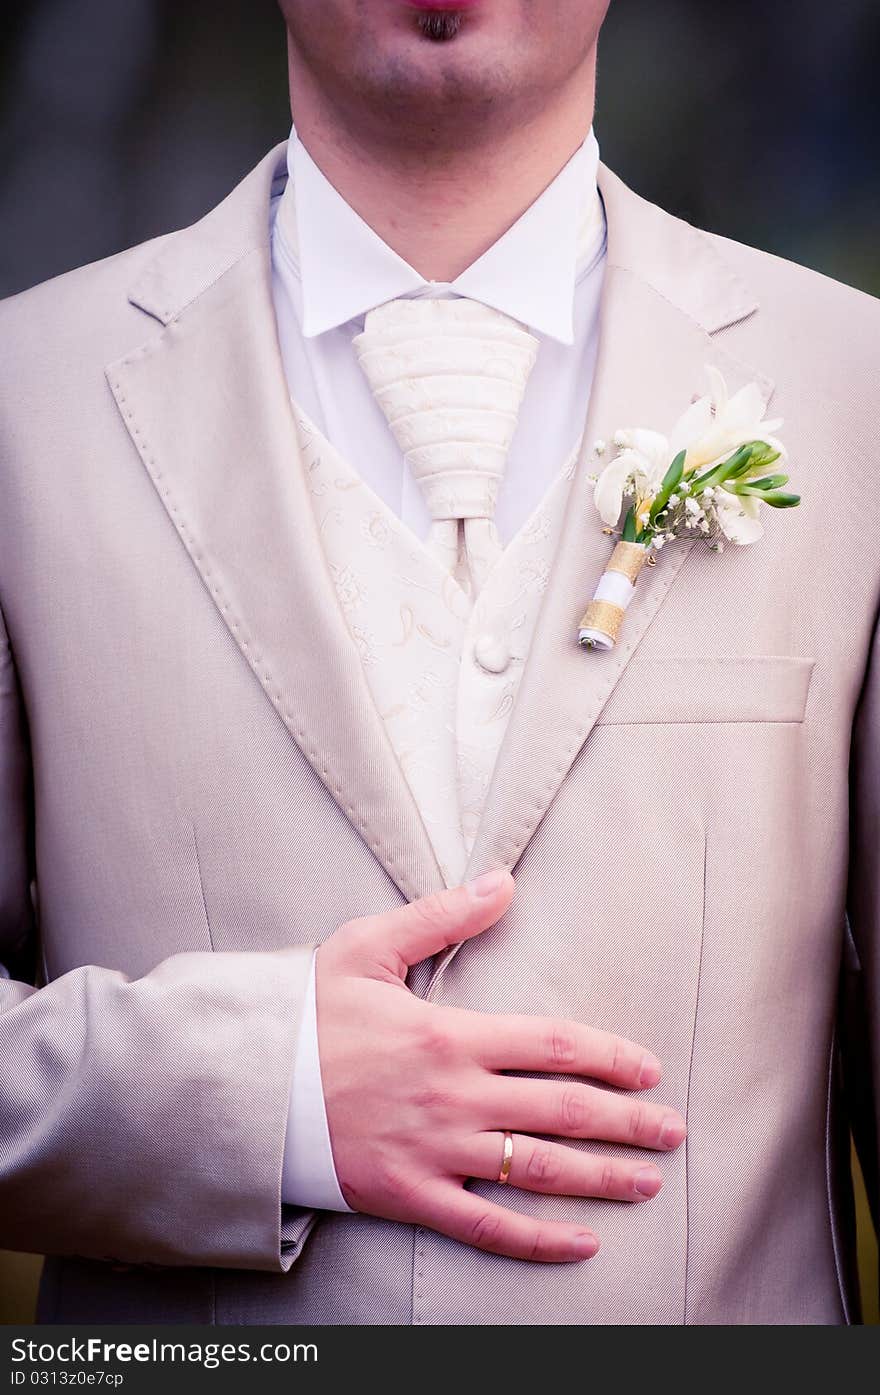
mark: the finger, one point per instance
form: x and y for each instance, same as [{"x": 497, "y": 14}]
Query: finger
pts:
[
  {"x": 538, "y": 1165},
  {"x": 558, "y": 1045},
  {"x": 431, "y": 924},
  {"x": 477, "y": 1222},
  {"x": 572, "y": 1110}
]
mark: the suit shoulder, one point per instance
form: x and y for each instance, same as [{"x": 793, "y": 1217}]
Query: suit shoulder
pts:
[
  {"x": 91, "y": 303},
  {"x": 807, "y": 301},
  {"x": 78, "y": 309},
  {"x": 818, "y": 340}
]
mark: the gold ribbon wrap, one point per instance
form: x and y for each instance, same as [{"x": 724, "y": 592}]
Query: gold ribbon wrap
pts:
[
  {"x": 605, "y": 616},
  {"x": 628, "y": 558}
]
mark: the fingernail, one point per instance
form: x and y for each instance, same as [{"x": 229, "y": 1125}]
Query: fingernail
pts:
[
  {"x": 649, "y": 1071},
  {"x": 647, "y": 1181},
  {"x": 673, "y": 1131},
  {"x": 488, "y": 883},
  {"x": 585, "y": 1244}
]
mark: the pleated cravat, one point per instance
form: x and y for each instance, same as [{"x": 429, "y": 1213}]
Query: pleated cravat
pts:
[{"x": 449, "y": 375}]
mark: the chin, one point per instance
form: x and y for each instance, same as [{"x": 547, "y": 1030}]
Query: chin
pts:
[
  {"x": 435, "y": 60},
  {"x": 412, "y": 66}
]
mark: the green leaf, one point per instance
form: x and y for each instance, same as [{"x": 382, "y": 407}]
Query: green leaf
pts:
[
  {"x": 629, "y": 527},
  {"x": 670, "y": 480},
  {"x": 726, "y": 469},
  {"x": 781, "y": 501},
  {"x": 674, "y": 473},
  {"x": 753, "y": 461},
  {"x": 766, "y": 482},
  {"x": 763, "y": 454}
]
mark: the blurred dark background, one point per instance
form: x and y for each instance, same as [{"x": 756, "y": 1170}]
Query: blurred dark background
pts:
[
  {"x": 757, "y": 119},
  {"x": 121, "y": 119}
]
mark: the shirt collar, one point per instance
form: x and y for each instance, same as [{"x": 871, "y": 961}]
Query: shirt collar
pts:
[{"x": 529, "y": 273}]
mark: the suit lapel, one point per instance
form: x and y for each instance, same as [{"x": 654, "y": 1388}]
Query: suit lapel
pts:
[
  {"x": 665, "y": 291},
  {"x": 206, "y": 404}
]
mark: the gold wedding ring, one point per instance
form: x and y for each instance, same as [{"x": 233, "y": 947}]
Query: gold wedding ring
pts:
[{"x": 507, "y": 1159}]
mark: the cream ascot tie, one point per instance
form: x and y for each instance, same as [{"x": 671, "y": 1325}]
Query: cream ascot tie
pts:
[{"x": 449, "y": 375}]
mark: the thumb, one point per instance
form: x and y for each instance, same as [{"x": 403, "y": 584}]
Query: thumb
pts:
[{"x": 424, "y": 927}]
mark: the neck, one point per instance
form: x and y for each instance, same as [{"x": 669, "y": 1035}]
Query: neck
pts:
[{"x": 440, "y": 208}]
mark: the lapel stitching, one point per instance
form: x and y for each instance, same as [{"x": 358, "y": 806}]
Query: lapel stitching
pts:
[
  {"x": 266, "y": 574},
  {"x": 235, "y": 493}
]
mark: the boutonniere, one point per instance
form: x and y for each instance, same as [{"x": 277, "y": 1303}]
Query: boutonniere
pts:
[{"x": 709, "y": 478}]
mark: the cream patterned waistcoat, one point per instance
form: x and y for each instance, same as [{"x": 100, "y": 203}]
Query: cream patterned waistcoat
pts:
[{"x": 443, "y": 667}]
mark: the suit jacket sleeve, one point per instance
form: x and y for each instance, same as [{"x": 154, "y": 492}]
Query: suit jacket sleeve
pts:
[
  {"x": 861, "y": 1035},
  {"x": 140, "y": 1120}
]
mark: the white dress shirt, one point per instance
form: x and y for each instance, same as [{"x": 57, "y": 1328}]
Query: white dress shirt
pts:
[{"x": 328, "y": 269}]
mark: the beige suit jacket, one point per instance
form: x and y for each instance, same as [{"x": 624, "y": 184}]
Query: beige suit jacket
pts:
[{"x": 195, "y": 786}]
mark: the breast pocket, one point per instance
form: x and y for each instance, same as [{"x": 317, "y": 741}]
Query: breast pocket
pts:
[{"x": 727, "y": 688}]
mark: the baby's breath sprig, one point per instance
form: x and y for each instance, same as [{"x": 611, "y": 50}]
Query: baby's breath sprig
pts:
[{"x": 709, "y": 479}]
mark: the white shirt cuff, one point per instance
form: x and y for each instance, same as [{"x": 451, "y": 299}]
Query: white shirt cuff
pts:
[{"x": 308, "y": 1176}]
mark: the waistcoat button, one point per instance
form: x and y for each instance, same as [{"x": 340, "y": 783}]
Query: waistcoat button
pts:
[{"x": 492, "y": 650}]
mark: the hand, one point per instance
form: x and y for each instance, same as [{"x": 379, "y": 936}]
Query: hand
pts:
[{"x": 416, "y": 1101}]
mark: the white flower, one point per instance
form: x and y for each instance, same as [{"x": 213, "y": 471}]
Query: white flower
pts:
[
  {"x": 643, "y": 455},
  {"x": 709, "y": 432},
  {"x": 714, "y": 426},
  {"x": 600, "y": 447},
  {"x": 738, "y": 515}
]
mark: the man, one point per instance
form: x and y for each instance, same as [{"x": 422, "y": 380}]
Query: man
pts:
[{"x": 297, "y": 532}]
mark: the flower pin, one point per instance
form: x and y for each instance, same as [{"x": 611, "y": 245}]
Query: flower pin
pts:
[{"x": 709, "y": 478}]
